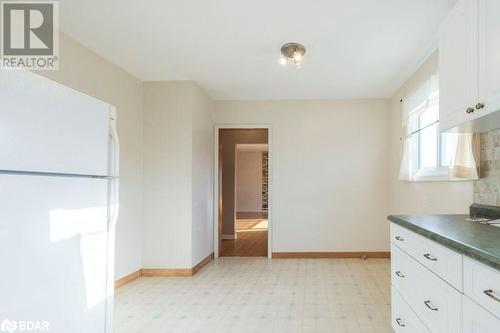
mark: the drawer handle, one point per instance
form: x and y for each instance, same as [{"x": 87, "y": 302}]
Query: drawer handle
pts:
[
  {"x": 398, "y": 273},
  {"x": 399, "y": 322},
  {"x": 431, "y": 258},
  {"x": 429, "y": 305},
  {"x": 490, "y": 294},
  {"x": 401, "y": 239}
]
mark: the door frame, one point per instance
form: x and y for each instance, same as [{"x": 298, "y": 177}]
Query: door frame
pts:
[{"x": 218, "y": 127}]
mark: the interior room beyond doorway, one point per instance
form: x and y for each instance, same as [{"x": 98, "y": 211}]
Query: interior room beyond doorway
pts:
[{"x": 243, "y": 163}]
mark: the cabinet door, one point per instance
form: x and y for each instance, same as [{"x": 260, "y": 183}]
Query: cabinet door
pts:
[
  {"x": 489, "y": 55},
  {"x": 478, "y": 320},
  {"x": 404, "y": 320},
  {"x": 482, "y": 284},
  {"x": 458, "y": 64}
]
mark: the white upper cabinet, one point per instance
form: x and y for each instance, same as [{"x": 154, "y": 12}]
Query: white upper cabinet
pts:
[
  {"x": 458, "y": 64},
  {"x": 489, "y": 51},
  {"x": 469, "y": 70}
]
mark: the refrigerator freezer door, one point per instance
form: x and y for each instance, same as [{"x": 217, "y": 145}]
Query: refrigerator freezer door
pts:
[
  {"x": 53, "y": 250},
  {"x": 48, "y": 127}
]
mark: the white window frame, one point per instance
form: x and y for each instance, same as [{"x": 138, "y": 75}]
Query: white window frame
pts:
[
  {"x": 440, "y": 172},
  {"x": 432, "y": 174}
]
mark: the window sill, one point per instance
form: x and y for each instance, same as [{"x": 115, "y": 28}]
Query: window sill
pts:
[{"x": 435, "y": 175}]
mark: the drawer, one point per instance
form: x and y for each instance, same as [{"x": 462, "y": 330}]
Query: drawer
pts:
[
  {"x": 436, "y": 303},
  {"x": 478, "y": 320},
  {"x": 442, "y": 261},
  {"x": 402, "y": 237},
  {"x": 404, "y": 320},
  {"x": 403, "y": 276},
  {"x": 482, "y": 284}
]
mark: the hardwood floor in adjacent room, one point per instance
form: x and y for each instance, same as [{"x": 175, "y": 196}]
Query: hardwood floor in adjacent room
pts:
[{"x": 251, "y": 238}]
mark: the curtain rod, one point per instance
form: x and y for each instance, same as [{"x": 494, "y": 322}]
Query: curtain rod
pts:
[{"x": 421, "y": 129}]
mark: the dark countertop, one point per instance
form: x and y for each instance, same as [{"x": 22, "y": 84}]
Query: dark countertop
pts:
[{"x": 475, "y": 240}]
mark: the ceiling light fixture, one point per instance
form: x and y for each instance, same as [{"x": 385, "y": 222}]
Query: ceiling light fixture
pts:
[{"x": 292, "y": 53}]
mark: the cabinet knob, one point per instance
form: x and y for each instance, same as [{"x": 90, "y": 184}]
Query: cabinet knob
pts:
[
  {"x": 479, "y": 106},
  {"x": 469, "y": 110}
]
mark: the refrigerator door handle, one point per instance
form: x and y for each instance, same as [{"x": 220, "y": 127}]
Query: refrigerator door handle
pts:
[{"x": 115, "y": 171}]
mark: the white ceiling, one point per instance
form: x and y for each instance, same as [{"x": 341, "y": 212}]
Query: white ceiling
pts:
[{"x": 231, "y": 48}]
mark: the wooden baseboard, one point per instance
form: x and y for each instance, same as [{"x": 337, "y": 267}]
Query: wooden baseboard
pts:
[
  {"x": 202, "y": 264},
  {"x": 165, "y": 272},
  {"x": 127, "y": 279},
  {"x": 290, "y": 255}
]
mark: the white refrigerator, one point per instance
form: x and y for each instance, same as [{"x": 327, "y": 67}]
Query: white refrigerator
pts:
[{"x": 58, "y": 206}]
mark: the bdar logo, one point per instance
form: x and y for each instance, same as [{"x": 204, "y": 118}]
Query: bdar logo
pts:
[{"x": 8, "y": 326}]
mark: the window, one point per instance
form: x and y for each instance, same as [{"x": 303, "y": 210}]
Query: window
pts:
[{"x": 429, "y": 154}]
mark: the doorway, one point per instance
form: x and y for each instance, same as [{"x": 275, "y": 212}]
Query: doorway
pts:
[{"x": 242, "y": 192}]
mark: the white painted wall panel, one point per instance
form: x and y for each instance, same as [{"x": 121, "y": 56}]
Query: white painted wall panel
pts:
[{"x": 329, "y": 171}]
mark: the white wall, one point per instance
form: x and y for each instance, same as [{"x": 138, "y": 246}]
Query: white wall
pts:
[
  {"x": 85, "y": 71},
  {"x": 202, "y": 175},
  {"x": 177, "y": 175},
  {"x": 330, "y": 174},
  {"x": 420, "y": 197},
  {"x": 248, "y": 183},
  {"x": 167, "y": 176}
]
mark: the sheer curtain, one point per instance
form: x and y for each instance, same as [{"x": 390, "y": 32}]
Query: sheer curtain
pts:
[
  {"x": 407, "y": 167},
  {"x": 420, "y": 100},
  {"x": 466, "y": 163},
  {"x": 464, "y": 160}
]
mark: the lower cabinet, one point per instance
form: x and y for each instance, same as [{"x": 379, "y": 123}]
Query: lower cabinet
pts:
[
  {"x": 424, "y": 301},
  {"x": 403, "y": 318},
  {"x": 478, "y": 320},
  {"x": 482, "y": 285},
  {"x": 436, "y": 303}
]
